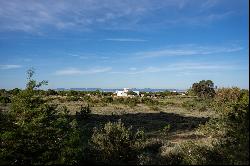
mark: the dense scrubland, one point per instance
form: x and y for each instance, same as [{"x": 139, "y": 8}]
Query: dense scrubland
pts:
[{"x": 205, "y": 126}]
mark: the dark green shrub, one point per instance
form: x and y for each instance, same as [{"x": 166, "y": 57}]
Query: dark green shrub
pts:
[
  {"x": 132, "y": 93},
  {"x": 107, "y": 99},
  {"x": 191, "y": 153},
  {"x": 116, "y": 144},
  {"x": 87, "y": 98},
  {"x": 200, "y": 105},
  {"x": 84, "y": 112},
  {"x": 132, "y": 102},
  {"x": 189, "y": 105},
  {"x": 119, "y": 100},
  {"x": 51, "y": 92},
  {"x": 73, "y": 98},
  {"x": 15, "y": 91},
  {"x": 4, "y": 99},
  {"x": 231, "y": 127},
  {"x": 204, "y": 89},
  {"x": 149, "y": 101},
  {"x": 33, "y": 132},
  {"x": 155, "y": 108}
]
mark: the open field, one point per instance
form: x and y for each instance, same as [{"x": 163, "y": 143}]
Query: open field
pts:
[
  {"x": 167, "y": 121},
  {"x": 151, "y": 118},
  {"x": 171, "y": 125}
]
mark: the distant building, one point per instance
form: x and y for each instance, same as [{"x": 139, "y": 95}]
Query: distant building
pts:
[{"x": 124, "y": 92}]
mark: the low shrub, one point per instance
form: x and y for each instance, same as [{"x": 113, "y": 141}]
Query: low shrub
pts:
[
  {"x": 84, "y": 112},
  {"x": 155, "y": 108},
  {"x": 192, "y": 153},
  {"x": 200, "y": 105},
  {"x": 107, "y": 99},
  {"x": 4, "y": 99},
  {"x": 73, "y": 98},
  {"x": 149, "y": 101},
  {"x": 116, "y": 144},
  {"x": 231, "y": 128}
]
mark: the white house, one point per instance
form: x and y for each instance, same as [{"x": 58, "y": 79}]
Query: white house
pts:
[{"x": 124, "y": 92}]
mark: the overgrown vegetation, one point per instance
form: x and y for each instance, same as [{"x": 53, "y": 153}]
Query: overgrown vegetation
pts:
[
  {"x": 37, "y": 130},
  {"x": 116, "y": 144},
  {"x": 33, "y": 132}
]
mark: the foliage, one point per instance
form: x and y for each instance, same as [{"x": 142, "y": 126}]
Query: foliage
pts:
[
  {"x": 155, "y": 108},
  {"x": 132, "y": 93},
  {"x": 72, "y": 93},
  {"x": 73, "y": 98},
  {"x": 231, "y": 128},
  {"x": 149, "y": 101},
  {"x": 84, "y": 112},
  {"x": 192, "y": 153},
  {"x": 127, "y": 101},
  {"x": 34, "y": 132},
  {"x": 4, "y": 99},
  {"x": 51, "y": 92},
  {"x": 190, "y": 92},
  {"x": 204, "y": 89},
  {"x": 15, "y": 91},
  {"x": 201, "y": 105},
  {"x": 116, "y": 144},
  {"x": 107, "y": 99}
]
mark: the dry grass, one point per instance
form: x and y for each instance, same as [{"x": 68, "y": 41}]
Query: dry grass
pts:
[{"x": 153, "y": 119}]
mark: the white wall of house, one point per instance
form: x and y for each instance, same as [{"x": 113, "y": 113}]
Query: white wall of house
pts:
[
  {"x": 124, "y": 92},
  {"x": 121, "y": 93}
]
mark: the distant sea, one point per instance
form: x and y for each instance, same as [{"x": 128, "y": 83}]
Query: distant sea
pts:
[{"x": 113, "y": 90}]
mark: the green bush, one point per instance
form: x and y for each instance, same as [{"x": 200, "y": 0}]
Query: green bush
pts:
[
  {"x": 149, "y": 101},
  {"x": 4, "y": 99},
  {"x": 189, "y": 105},
  {"x": 132, "y": 102},
  {"x": 204, "y": 89},
  {"x": 192, "y": 153},
  {"x": 73, "y": 98},
  {"x": 200, "y": 105},
  {"x": 33, "y": 132},
  {"x": 155, "y": 108},
  {"x": 119, "y": 100},
  {"x": 231, "y": 127},
  {"x": 116, "y": 144},
  {"x": 107, "y": 99},
  {"x": 84, "y": 112},
  {"x": 51, "y": 92},
  {"x": 127, "y": 101}
]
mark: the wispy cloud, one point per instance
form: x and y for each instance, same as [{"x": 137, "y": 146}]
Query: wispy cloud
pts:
[
  {"x": 6, "y": 67},
  {"x": 35, "y": 16},
  {"x": 185, "y": 50},
  {"x": 75, "y": 71},
  {"x": 181, "y": 67},
  {"x": 89, "y": 56},
  {"x": 125, "y": 40}
]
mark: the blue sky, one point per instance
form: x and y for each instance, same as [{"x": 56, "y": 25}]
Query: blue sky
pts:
[{"x": 124, "y": 43}]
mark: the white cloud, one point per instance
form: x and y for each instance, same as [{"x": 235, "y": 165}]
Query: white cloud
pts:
[
  {"x": 74, "y": 71},
  {"x": 182, "y": 67},
  {"x": 186, "y": 50},
  {"x": 6, "y": 67},
  {"x": 89, "y": 56},
  {"x": 34, "y": 16}
]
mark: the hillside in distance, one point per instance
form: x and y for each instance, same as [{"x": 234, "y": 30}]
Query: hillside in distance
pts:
[{"x": 113, "y": 89}]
